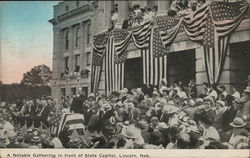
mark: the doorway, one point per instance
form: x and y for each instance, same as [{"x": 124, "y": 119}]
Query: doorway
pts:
[
  {"x": 181, "y": 66},
  {"x": 133, "y": 73}
]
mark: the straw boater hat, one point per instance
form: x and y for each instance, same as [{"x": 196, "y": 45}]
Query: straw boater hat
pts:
[
  {"x": 128, "y": 133},
  {"x": 238, "y": 122},
  {"x": 35, "y": 139},
  {"x": 107, "y": 107},
  {"x": 169, "y": 109},
  {"x": 163, "y": 126},
  {"x": 222, "y": 103},
  {"x": 239, "y": 102}
]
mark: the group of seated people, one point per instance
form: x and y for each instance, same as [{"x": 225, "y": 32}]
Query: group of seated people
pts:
[{"x": 138, "y": 15}]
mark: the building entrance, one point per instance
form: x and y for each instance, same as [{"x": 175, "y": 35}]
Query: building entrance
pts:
[
  {"x": 133, "y": 73},
  {"x": 181, "y": 66},
  {"x": 239, "y": 64}
]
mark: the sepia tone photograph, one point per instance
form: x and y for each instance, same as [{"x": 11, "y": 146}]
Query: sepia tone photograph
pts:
[{"x": 135, "y": 74}]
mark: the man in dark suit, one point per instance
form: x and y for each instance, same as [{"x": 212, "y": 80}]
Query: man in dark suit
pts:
[
  {"x": 192, "y": 89},
  {"x": 45, "y": 114},
  {"x": 228, "y": 117},
  {"x": 229, "y": 114},
  {"x": 77, "y": 104}
]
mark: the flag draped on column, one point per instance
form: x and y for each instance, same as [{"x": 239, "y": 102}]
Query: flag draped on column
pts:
[
  {"x": 211, "y": 25},
  {"x": 155, "y": 60},
  {"x": 116, "y": 55},
  {"x": 99, "y": 48},
  {"x": 141, "y": 37}
]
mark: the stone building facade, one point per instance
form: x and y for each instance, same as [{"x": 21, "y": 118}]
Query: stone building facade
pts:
[{"x": 75, "y": 23}]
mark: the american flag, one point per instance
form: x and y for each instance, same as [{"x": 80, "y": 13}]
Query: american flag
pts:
[
  {"x": 222, "y": 19},
  {"x": 141, "y": 35},
  {"x": 154, "y": 60},
  {"x": 227, "y": 16},
  {"x": 195, "y": 24},
  {"x": 122, "y": 39},
  {"x": 168, "y": 28},
  {"x": 109, "y": 65},
  {"x": 54, "y": 122},
  {"x": 73, "y": 120},
  {"x": 114, "y": 69},
  {"x": 100, "y": 41}
]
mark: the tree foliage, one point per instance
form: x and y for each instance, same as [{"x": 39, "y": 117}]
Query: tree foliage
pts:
[{"x": 38, "y": 76}]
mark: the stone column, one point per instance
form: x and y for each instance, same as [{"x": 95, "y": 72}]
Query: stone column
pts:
[
  {"x": 81, "y": 44},
  {"x": 71, "y": 49},
  {"x": 108, "y": 7},
  {"x": 56, "y": 46},
  {"x": 61, "y": 50},
  {"x": 123, "y": 12},
  {"x": 100, "y": 16},
  {"x": 163, "y": 6}
]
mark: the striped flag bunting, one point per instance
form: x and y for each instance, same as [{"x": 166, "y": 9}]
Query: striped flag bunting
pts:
[
  {"x": 227, "y": 16},
  {"x": 221, "y": 21},
  {"x": 141, "y": 35},
  {"x": 194, "y": 24},
  {"x": 168, "y": 28},
  {"x": 114, "y": 68},
  {"x": 122, "y": 39},
  {"x": 109, "y": 65},
  {"x": 99, "y": 48},
  {"x": 154, "y": 60},
  {"x": 73, "y": 120}
]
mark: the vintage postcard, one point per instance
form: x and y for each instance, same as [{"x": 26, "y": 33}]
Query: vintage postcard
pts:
[{"x": 125, "y": 79}]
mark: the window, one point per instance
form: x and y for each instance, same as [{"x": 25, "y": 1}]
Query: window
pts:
[
  {"x": 67, "y": 8},
  {"x": 77, "y": 63},
  {"x": 77, "y": 36},
  {"x": 66, "y": 62},
  {"x": 77, "y": 3},
  {"x": 67, "y": 39},
  {"x": 85, "y": 91},
  {"x": 88, "y": 32},
  {"x": 88, "y": 59},
  {"x": 63, "y": 92},
  {"x": 73, "y": 91}
]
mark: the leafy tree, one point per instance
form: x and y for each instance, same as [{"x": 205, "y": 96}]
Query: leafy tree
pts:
[{"x": 38, "y": 76}]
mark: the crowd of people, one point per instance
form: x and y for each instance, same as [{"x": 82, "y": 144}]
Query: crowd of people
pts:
[{"x": 167, "y": 117}]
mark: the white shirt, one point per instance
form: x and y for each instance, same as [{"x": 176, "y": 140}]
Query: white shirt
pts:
[
  {"x": 211, "y": 132},
  {"x": 114, "y": 17},
  {"x": 57, "y": 143},
  {"x": 236, "y": 94},
  {"x": 213, "y": 94}
]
